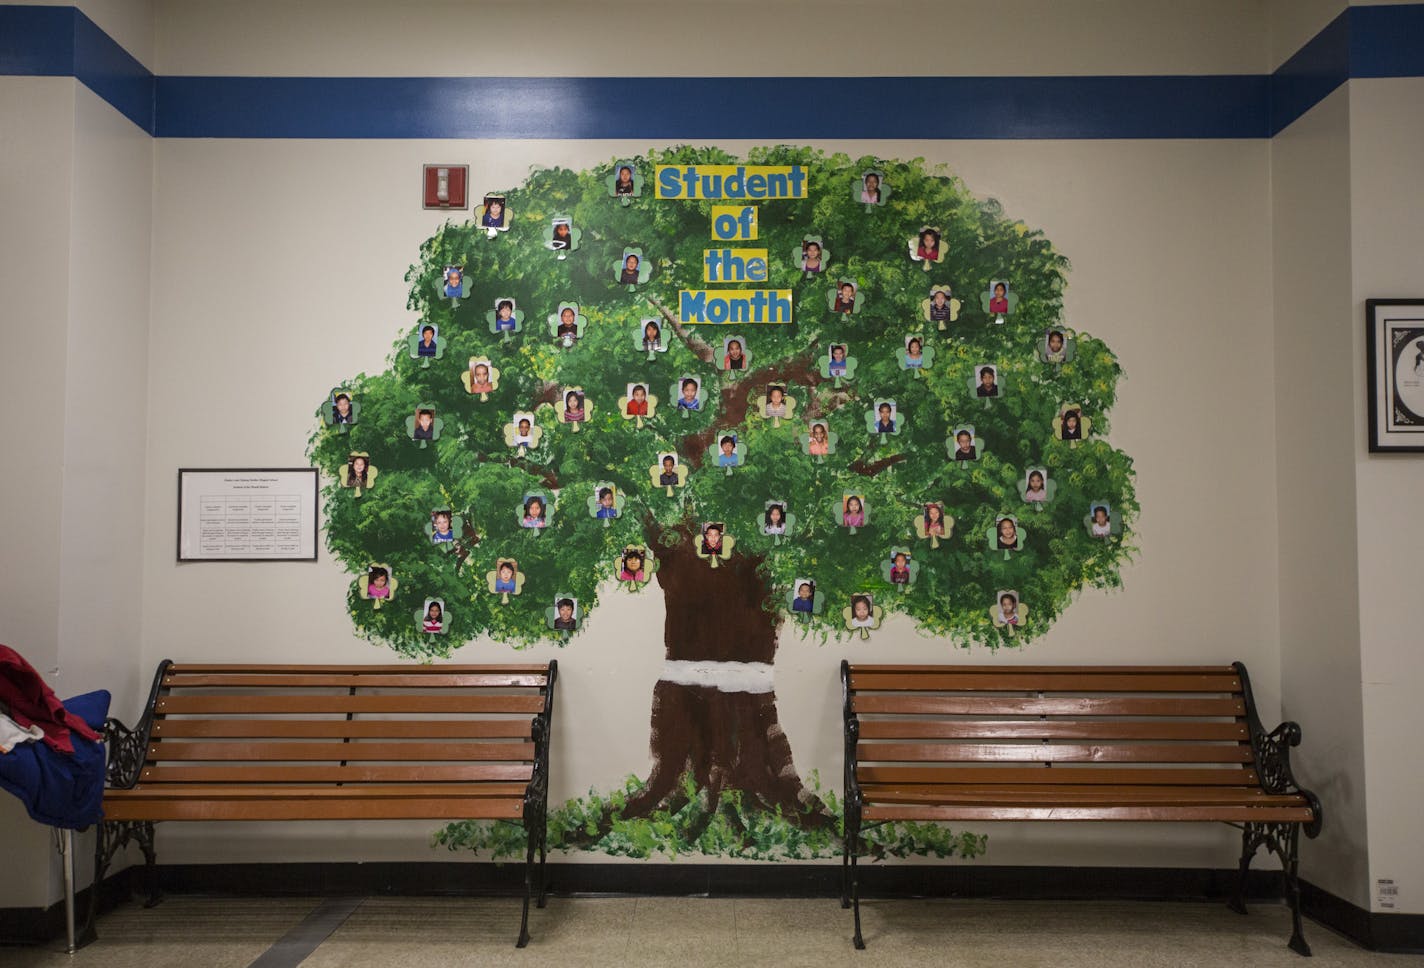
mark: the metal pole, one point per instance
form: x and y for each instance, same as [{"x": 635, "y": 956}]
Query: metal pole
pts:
[{"x": 66, "y": 854}]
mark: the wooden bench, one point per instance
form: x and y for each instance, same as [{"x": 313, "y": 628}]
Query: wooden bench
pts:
[
  {"x": 1156, "y": 743},
  {"x": 333, "y": 742}
]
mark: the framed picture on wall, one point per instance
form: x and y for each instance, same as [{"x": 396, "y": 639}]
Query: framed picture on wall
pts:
[
  {"x": 1395, "y": 350},
  {"x": 247, "y": 514}
]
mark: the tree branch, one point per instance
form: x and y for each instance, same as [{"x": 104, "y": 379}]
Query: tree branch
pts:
[
  {"x": 736, "y": 398},
  {"x": 875, "y": 467},
  {"x": 695, "y": 343},
  {"x": 545, "y": 474}
]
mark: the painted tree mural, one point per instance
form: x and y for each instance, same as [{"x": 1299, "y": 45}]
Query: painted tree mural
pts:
[{"x": 721, "y": 763}]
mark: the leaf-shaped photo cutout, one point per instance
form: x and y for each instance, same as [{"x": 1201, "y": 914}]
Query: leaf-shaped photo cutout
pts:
[
  {"x": 727, "y": 451},
  {"x": 713, "y": 544},
  {"x": 999, "y": 300},
  {"x": 493, "y": 216},
  {"x": 605, "y": 503},
  {"x": 648, "y": 337},
  {"x": 1100, "y": 522},
  {"x": 776, "y": 404},
  {"x": 378, "y": 584},
  {"x": 819, "y": 440},
  {"x": 635, "y": 566},
  {"x": 625, "y": 182},
  {"x": 932, "y": 524},
  {"x": 964, "y": 446},
  {"x": 871, "y": 189},
  {"x": 900, "y": 569},
  {"x": 804, "y": 599},
  {"x": 862, "y": 614},
  {"x": 736, "y": 354},
  {"x": 576, "y": 409},
  {"x": 506, "y": 317},
  {"x": 424, "y": 426},
  {"x": 777, "y": 521},
  {"x": 918, "y": 355},
  {"x": 884, "y": 419},
  {"x": 452, "y": 284},
  {"x": 838, "y": 364},
  {"x": 427, "y": 345},
  {"x": 637, "y": 404},
  {"x": 668, "y": 472},
  {"x": 442, "y": 528},
  {"x": 846, "y": 298},
  {"x": 1057, "y": 346},
  {"x": 1071, "y": 424},
  {"x": 340, "y": 410},
  {"x": 505, "y": 579},
  {"x": 358, "y": 473},
  {"x": 928, "y": 247},
  {"x": 482, "y": 377},
  {"x": 567, "y": 325},
  {"x": 984, "y": 383},
  {"x": 1007, "y": 537},
  {"x": 535, "y": 511},
  {"x": 690, "y": 396},
  {"x": 811, "y": 257},
  {"x": 562, "y": 236},
  {"x": 523, "y": 433},
  {"x": 940, "y": 306},
  {"x": 632, "y": 269},
  {"x": 564, "y": 615},
  {"x": 1007, "y": 612},
  {"x": 850, "y": 511},
  {"x": 1037, "y": 487},
  {"x": 433, "y": 619}
]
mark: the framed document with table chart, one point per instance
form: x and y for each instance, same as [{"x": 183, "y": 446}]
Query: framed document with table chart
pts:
[
  {"x": 247, "y": 514},
  {"x": 1395, "y": 329}
]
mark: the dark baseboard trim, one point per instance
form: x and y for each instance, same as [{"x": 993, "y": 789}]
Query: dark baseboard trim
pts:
[
  {"x": 39, "y": 925},
  {"x": 1392, "y": 933}
]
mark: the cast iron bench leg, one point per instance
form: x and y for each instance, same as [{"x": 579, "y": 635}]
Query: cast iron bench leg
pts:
[
  {"x": 528, "y": 891},
  {"x": 1283, "y": 840}
]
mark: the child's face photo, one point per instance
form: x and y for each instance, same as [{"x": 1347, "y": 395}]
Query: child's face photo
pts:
[
  {"x": 442, "y": 522},
  {"x": 900, "y": 560},
  {"x": 566, "y": 315},
  {"x": 631, "y": 263},
  {"x": 774, "y": 515},
  {"x": 561, "y": 230},
  {"x": 427, "y": 335},
  {"x": 524, "y": 428},
  {"x": 963, "y": 439},
  {"x": 838, "y": 353},
  {"x": 495, "y": 208},
  {"x": 424, "y": 419},
  {"x": 381, "y": 580},
  {"x": 1055, "y": 341},
  {"x": 481, "y": 373},
  {"x": 1100, "y": 515},
  {"x": 1008, "y": 531},
  {"x": 1035, "y": 481},
  {"x": 872, "y": 182},
  {"x": 506, "y": 571},
  {"x": 933, "y": 513},
  {"x": 734, "y": 350},
  {"x": 1070, "y": 422},
  {"x": 605, "y": 498},
  {"x": 862, "y": 609},
  {"x": 914, "y": 348},
  {"x": 535, "y": 508},
  {"x": 885, "y": 411},
  {"x": 813, "y": 251},
  {"x": 776, "y": 395},
  {"x": 986, "y": 377},
  {"x": 566, "y": 611},
  {"x": 506, "y": 309},
  {"x": 625, "y": 175},
  {"x": 847, "y": 292},
  {"x": 999, "y": 289},
  {"x": 359, "y": 465},
  {"x": 651, "y": 332},
  {"x": 668, "y": 464},
  {"x": 728, "y": 446},
  {"x": 818, "y": 432},
  {"x": 640, "y": 394},
  {"x": 940, "y": 299},
  {"x": 713, "y": 536},
  {"x": 343, "y": 404},
  {"x": 1008, "y": 604},
  {"x": 689, "y": 390},
  {"x": 804, "y": 592},
  {"x": 852, "y": 505}
]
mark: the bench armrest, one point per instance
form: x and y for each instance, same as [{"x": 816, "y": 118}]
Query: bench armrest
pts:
[
  {"x": 1271, "y": 752},
  {"x": 126, "y": 753}
]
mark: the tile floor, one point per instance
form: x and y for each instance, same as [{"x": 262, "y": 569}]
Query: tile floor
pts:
[{"x": 196, "y": 932}]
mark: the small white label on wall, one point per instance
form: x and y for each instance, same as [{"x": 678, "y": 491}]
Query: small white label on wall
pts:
[{"x": 1386, "y": 893}]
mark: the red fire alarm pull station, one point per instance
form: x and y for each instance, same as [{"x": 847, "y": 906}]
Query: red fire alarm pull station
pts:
[{"x": 445, "y": 186}]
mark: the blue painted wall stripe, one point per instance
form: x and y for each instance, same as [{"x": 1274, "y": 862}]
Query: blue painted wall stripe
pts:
[
  {"x": 1369, "y": 41},
  {"x": 713, "y": 108}
]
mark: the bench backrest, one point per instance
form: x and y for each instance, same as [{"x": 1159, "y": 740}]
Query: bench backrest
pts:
[
  {"x": 337, "y": 724},
  {"x": 1025, "y": 725}
]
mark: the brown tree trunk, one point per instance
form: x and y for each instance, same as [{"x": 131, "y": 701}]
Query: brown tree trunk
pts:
[{"x": 726, "y": 739}]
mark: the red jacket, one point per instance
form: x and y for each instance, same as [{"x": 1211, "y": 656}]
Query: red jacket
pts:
[{"x": 31, "y": 702}]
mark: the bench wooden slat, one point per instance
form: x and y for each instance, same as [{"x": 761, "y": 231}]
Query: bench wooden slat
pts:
[
  {"x": 342, "y": 728},
  {"x": 133, "y": 808},
  {"x": 1062, "y": 773},
  {"x": 278, "y": 752},
  {"x": 374, "y": 791},
  {"x": 1049, "y": 753},
  {"x": 390, "y": 668},
  {"x": 1224, "y": 813},
  {"x": 1030, "y": 795},
  {"x": 1049, "y": 729},
  {"x": 240, "y": 704},
  {"x": 913, "y": 704},
  {"x": 359, "y": 681},
  {"x": 946, "y": 680},
  {"x": 1214, "y": 670},
  {"x": 354, "y": 773}
]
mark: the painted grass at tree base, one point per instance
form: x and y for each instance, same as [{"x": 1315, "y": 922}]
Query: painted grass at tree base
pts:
[{"x": 884, "y": 461}]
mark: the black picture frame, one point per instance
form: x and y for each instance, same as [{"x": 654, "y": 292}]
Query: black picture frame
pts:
[
  {"x": 1395, "y": 406},
  {"x": 298, "y": 487}
]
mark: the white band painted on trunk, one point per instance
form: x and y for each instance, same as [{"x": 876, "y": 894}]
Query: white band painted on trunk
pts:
[{"x": 724, "y": 676}]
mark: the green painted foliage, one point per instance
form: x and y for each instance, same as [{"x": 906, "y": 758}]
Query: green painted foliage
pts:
[{"x": 471, "y": 470}]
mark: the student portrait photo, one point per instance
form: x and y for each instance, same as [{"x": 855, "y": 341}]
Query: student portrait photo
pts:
[
  {"x": 999, "y": 299},
  {"x": 1071, "y": 425},
  {"x": 667, "y": 473},
  {"x": 562, "y": 237},
  {"x": 811, "y": 256},
  {"x": 442, "y": 530},
  {"x": 885, "y": 417},
  {"x": 900, "y": 568},
  {"x": 933, "y": 520},
  {"x": 1036, "y": 485},
  {"x": 941, "y": 308},
  {"x": 804, "y": 602},
  {"x": 628, "y": 274},
  {"x": 632, "y": 565},
  {"x": 504, "y": 316},
  {"x": 378, "y": 582},
  {"x": 427, "y": 346},
  {"x": 523, "y": 424},
  {"x": 988, "y": 384},
  {"x": 565, "y": 614},
  {"x": 506, "y": 571},
  {"x": 862, "y": 611},
  {"x": 925, "y": 246},
  {"x": 727, "y": 451},
  {"x": 818, "y": 442},
  {"x": 1055, "y": 347},
  {"x": 871, "y": 192},
  {"x": 852, "y": 511},
  {"x": 914, "y": 353},
  {"x": 341, "y": 412},
  {"x": 358, "y": 472},
  {"x": 688, "y": 390},
  {"x": 773, "y": 520},
  {"x": 845, "y": 296},
  {"x": 623, "y": 180},
  {"x": 1008, "y": 612},
  {"x": 480, "y": 378},
  {"x": 535, "y": 512},
  {"x": 1100, "y": 523},
  {"x": 652, "y": 336},
  {"x": 574, "y": 411},
  {"x": 455, "y": 282},
  {"x": 424, "y": 428},
  {"x": 607, "y": 497},
  {"x": 734, "y": 353},
  {"x": 1006, "y": 531},
  {"x": 567, "y": 329},
  {"x": 493, "y": 216},
  {"x": 838, "y": 359},
  {"x": 434, "y": 616},
  {"x": 637, "y": 396},
  {"x": 964, "y": 447},
  {"x": 775, "y": 401},
  {"x": 711, "y": 540}
]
